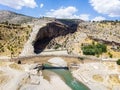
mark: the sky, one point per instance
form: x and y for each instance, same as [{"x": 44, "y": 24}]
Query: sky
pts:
[{"x": 96, "y": 10}]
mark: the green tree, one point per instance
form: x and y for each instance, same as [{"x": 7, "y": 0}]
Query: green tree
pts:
[
  {"x": 94, "y": 49},
  {"x": 102, "y": 46},
  {"x": 118, "y": 61}
]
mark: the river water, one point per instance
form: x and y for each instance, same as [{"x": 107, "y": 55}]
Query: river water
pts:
[{"x": 69, "y": 79}]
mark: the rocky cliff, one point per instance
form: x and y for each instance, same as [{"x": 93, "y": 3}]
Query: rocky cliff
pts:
[
  {"x": 49, "y": 32},
  {"x": 108, "y": 32}
]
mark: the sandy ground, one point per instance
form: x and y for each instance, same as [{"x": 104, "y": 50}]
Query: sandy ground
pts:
[
  {"x": 96, "y": 75},
  {"x": 24, "y": 77},
  {"x": 46, "y": 85},
  {"x": 99, "y": 76},
  {"x": 57, "y": 61}
]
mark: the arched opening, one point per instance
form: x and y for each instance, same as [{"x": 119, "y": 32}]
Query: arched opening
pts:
[{"x": 49, "y": 32}]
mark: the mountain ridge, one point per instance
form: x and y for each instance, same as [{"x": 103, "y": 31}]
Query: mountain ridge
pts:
[
  {"x": 14, "y": 17},
  {"x": 18, "y": 18}
]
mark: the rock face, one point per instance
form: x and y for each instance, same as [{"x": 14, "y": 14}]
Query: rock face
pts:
[
  {"x": 52, "y": 30},
  {"x": 107, "y": 32},
  {"x": 28, "y": 49},
  {"x": 49, "y": 32},
  {"x": 43, "y": 35}
]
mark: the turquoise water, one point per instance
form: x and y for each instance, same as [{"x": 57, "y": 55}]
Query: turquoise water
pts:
[{"x": 69, "y": 79}]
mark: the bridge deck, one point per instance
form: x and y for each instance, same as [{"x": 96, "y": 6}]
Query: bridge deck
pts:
[
  {"x": 42, "y": 67},
  {"x": 55, "y": 68}
]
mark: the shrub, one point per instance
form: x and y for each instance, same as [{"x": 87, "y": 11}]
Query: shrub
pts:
[
  {"x": 94, "y": 49},
  {"x": 102, "y": 46},
  {"x": 118, "y": 61},
  {"x": 57, "y": 46},
  {"x": 110, "y": 55},
  {"x": 80, "y": 58}
]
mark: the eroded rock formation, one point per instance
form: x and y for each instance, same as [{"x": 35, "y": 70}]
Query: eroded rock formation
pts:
[{"x": 51, "y": 31}]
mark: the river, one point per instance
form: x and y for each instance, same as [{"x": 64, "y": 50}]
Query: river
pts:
[{"x": 69, "y": 79}]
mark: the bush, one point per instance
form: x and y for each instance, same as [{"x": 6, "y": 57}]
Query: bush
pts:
[
  {"x": 94, "y": 49},
  {"x": 118, "y": 61},
  {"x": 102, "y": 46},
  {"x": 80, "y": 58},
  {"x": 57, "y": 46},
  {"x": 110, "y": 55}
]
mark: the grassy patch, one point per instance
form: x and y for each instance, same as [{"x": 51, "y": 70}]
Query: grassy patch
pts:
[
  {"x": 98, "y": 78},
  {"x": 94, "y": 49},
  {"x": 114, "y": 79},
  {"x": 12, "y": 38}
]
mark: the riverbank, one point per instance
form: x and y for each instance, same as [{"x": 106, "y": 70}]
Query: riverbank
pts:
[
  {"x": 99, "y": 76},
  {"x": 24, "y": 77},
  {"x": 65, "y": 74},
  {"x": 95, "y": 74}
]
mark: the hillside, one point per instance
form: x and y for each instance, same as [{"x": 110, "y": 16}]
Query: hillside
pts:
[
  {"x": 55, "y": 34},
  {"x": 14, "y": 33},
  {"x": 88, "y": 32},
  {"x": 13, "y": 17},
  {"x": 106, "y": 31},
  {"x": 13, "y": 38}
]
